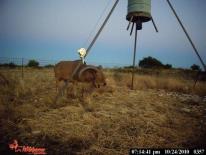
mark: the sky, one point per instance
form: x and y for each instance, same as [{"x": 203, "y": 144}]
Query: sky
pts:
[{"x": 56, "y": 29}]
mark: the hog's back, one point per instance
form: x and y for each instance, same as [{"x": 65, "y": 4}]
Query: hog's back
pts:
[{"x": 64, "y": 69}]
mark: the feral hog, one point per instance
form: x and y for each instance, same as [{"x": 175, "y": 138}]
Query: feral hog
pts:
[{"x": 85, "y": 73}]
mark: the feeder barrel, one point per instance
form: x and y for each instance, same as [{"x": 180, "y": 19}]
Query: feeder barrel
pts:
[{"x": 139, "y": 9}]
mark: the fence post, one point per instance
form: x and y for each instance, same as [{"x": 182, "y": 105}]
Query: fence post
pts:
[{"x": 22, "y": 68}]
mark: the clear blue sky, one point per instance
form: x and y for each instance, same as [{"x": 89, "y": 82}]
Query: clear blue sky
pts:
[{"x": 55, "y": 29}]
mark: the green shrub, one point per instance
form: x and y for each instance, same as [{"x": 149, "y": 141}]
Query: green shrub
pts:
[
  {"x": 150, "y": 62},
  {"x": 195, "y": 67},
  {"x": 33, "y": 63}
]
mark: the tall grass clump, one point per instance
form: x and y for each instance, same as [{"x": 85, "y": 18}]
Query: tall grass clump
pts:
[{"x": 141, "y": 82}]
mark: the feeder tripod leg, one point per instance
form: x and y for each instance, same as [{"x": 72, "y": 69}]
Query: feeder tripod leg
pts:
[
  {"x": 134, "y": 57},
  {"x": 186, "y": 33},
  {"x": 101, "y": 28},
  {"x": 155, "y": 26}
]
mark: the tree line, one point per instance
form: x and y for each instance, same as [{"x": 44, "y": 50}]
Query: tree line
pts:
[
  {"x": 153, "y": 63},
  {"x": 147, "y": 62},
  {"x": 31, "y": 63}
]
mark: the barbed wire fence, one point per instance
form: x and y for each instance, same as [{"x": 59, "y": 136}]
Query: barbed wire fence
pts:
[{"x": 21, "y": 64}]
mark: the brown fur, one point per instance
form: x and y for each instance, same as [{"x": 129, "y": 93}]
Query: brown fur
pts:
[{"x": 64, "y": 69}]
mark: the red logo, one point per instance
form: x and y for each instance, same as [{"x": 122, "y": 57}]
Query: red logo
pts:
[{"x": 26, "y": 149}]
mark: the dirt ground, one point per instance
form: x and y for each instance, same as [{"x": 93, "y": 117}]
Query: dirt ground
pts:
[{"x": 110, "y": 121}]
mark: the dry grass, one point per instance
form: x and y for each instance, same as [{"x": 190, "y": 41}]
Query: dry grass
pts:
[
  {"x": 177, "y": 84},
  {"x": 111, "y": 121}
]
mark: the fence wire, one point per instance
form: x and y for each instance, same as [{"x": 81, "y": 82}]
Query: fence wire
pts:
[
  {"x": 20, "y": 65},
  {"x": 5, "y": 61}
]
